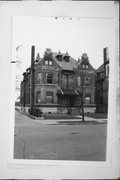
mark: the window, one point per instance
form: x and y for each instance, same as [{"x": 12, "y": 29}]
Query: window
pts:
[
  {"x": 83, "y": 66},
  {"x": 87, "y": 81},
  {"x": 48, "y": 62},
  {"x": 38, "y": 79},
  {"x": 66, "y": 59},
  {"x": 86, "y": 66},
  {"x": 49, "y": 97},
  {"x": 38, "y": 97},
  {"x": 59, "y": 58},
  {"x": 79, "y": 80},
  {"x": 49, "y": 78},
  {"x": 87, "y": 100}
]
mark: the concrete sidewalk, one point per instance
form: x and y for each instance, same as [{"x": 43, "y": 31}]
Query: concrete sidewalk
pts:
[{"x": 56, "y": 121}]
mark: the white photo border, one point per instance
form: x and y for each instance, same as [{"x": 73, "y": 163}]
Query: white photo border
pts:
[{"x": 105, "y": 167}]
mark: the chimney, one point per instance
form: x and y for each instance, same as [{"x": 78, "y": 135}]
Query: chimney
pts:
[{"x": 105, "y": 55}]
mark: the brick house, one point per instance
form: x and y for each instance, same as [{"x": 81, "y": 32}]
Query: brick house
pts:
[
  {"x": 102, "y": 83},
  {"x": 58, "y": 79}
]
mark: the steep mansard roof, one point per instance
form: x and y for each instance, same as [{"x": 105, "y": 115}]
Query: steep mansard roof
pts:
[
  {"x": 68, "y": 65},
  {"x": 63, "y": 64}
]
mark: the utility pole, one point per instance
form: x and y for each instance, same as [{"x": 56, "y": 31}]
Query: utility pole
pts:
[
  {"x": 32, "y": 80},
  {"x": 67, "y": 96},
  {"x": 82, "y": 97},
  {"x": 24, "y": 97}
]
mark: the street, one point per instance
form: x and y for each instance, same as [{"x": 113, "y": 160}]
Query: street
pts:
[{"x": 59, "y": 139}]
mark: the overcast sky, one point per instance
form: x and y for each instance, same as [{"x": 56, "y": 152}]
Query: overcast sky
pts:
[{"x": 77, "y": 36}]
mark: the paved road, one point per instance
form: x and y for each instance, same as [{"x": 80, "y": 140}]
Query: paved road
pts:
[{"x": 59, "y": 139}]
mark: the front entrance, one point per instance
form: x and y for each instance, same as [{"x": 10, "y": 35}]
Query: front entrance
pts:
[{"x": 66, "y": 101}]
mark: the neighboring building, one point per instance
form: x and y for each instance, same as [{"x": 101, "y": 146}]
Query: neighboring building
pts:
[
  {"x": 102, "y": 84},
  {"x": 58, "y": 81}
]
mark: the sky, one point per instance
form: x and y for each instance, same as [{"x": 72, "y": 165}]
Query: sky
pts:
[{"x": 76, "y": 36}]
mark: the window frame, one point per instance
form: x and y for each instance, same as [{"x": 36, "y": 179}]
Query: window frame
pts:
[
  {"x": 48, "y": 78},
  {"x": 83, "y": 66},
  {"x": 50, "y": 96},
  {"x": 38, "y": 93},
  {"x": 86, "y": 66},
  {"x": 48, "y": 62},
  {"x": 38, "y": 78}
]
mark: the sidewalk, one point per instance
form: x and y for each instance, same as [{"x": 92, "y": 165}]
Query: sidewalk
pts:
[{"x": 57, "y": 121}]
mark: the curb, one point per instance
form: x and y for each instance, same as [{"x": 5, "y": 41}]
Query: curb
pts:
[
  {"x": 31, "y": 116},
  {"x": 36, "y": 118}
]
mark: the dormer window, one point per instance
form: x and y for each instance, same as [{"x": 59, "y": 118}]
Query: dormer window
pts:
[
  {"x": 84, "y": 66},
  {"x": 66, "y": 57},
  {"x": 59, "y": 56},
  {"x": 85, "y": 61},
  {"x": 48, "y": 62}
]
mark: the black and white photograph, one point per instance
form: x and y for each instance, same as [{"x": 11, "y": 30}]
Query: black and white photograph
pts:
[
  {"x": 59, "y": 64},
  {"x": 62, "y": 80}
]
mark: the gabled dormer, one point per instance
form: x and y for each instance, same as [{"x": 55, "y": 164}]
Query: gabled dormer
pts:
[
  {"x": 59, "y": 56},
  {"x": 37, "y": 58},
  {"x": 84, "y": 61},
  {"x": 66, "y": 57},
  {"x": 48, "y": 57}
]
